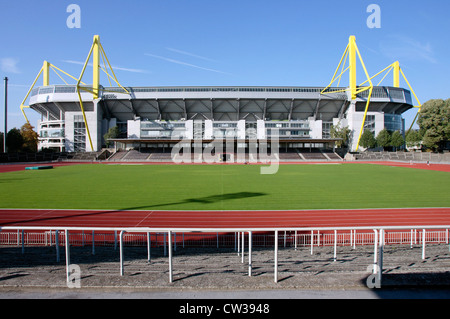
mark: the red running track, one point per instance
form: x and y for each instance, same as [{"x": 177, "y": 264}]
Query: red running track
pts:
[
  {"x": 432, "y": 167},
  {"x": 226, "y": 219}
]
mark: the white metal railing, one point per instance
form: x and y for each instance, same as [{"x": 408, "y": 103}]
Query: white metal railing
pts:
[{"x": 378, "y": 236}]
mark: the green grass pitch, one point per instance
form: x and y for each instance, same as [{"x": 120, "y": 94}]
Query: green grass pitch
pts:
[{"x": 224, "y": 187}]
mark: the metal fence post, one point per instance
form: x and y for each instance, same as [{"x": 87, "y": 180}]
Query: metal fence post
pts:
[
  {"x": 57, "y": 244},
  {"x": 354, "y": 239},
  {"x": 423, "y": 244},
  {"x": 335, "y": 244},
  {"x": 275, "y": 272},
  {"x": 243, "y": 247},
  {"x": 295, "y": 240},
  {"x": 23, "y": 242},
  {"x": 411, "y": 244},
  {"x": 249, "y": 253},
  {"x": 238, "y": 243},
  {"x": 380, "y": 259},
  {"x": 121, "y": 251},
  {"x": 93, "y": 242},
  {"x": 375, "y": 252},
  {"x": 149, "y": 244},
  {"x": 165, "y": 246},
  {"x": 169, "y": 234},
  {"x": 67, "y": 255}
]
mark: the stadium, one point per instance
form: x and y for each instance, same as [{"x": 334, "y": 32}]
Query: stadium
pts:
[
  {"x": 74, "y": 118},
  {"x": 137, "y": 196}
]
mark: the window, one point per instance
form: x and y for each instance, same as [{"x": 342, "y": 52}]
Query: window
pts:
[
  {"x": 393, "y": 122},
  {"x": 370, "y": 123},
  {"x": 326, "y": 129},
  {"x": 79, "y": 134}
]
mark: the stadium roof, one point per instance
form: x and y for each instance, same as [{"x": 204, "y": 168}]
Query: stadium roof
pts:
[{"x": 217, "y": 103}]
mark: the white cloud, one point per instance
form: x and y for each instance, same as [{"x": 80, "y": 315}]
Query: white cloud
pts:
[
  {"x": 190, "y": 54},
  {"x": 399, "y": 47},
  {"x": 184, "y": 63},
  {"x": 9, "y": 65},
  {"x": 114, "y": 67}
]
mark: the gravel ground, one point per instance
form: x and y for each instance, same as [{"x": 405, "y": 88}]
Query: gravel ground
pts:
[{"x": 217, "y": 272}]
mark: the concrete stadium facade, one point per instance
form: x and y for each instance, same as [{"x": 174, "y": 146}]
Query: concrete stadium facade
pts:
[{"x": 299, "y": 115}]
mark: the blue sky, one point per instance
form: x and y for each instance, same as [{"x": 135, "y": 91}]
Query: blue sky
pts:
[{"x": 242, "y": 43}]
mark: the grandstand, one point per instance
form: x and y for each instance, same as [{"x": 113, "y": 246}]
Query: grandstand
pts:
[{"x": 75, "y": 118}]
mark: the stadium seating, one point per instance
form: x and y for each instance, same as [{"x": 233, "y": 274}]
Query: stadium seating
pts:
[{"x": 313, "y": 154}]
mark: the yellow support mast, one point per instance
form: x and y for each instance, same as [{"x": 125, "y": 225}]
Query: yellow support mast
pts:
[
  {"x": 46, "y": 75},
  {"x": 396, "y": 67},
  {"x": 352, "y": 53},
  {"x": 352, "y": 64},
  {"x": 397, "y": 71},
  {"x": 97, "y": 53},
  {"x": 96, "y": 67}
]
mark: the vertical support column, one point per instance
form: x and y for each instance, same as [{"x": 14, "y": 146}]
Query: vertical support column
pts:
[
  {"x": 56, "y": 244},
  {"x": 351, "y": 237},
  {"x": 275, "y": 271},
  {"x": 295, "y": 240},
  {"x": 375, "y": 251},
  {"x": 93, "y": 242},
  {"x": 96, "y": 66},
  {"x": 423, "y": 244},
  {"x": 249, "y": 253},
  {"x": 396, "y": 74},
  {"x": 411, "y": 244},
  {"x": 121, "y": 251},
  {"x": 312, "y": 242},
  {"x": 354, "y": 239},
  {"x": 243, "y": 246},
  {"x": 149, "y": 244},
  {"x": 380, "y": 259},
  {"x": 170, "y": 257},
  {"x": 352, "y": 66},
  {"x": 165, "y": 246},
  {"x": 23, "y": 240},
  {"x": 67, "y": 255},
  {"x": 46, "y": 74},
  {"x": 238, "y": 243},
  {"x": 335, "y": 245},
  {"x": 5, "y": 149}
]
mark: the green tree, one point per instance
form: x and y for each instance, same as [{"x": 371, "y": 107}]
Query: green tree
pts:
[
  {"x": 14, "y": 140},
  {"x": 30, "y": 138},
  {"x": 413, "y": 138},
  {"x": 397, "y": 140},
  {"x": 432, "y": 139},
  {"x": 434, "y": 123},
  {"x": 113, "y": 132},
  {"x": 384, "y": 138},
  {"x": 368, "y": 139},
  {"x": 336, "y": 131}
]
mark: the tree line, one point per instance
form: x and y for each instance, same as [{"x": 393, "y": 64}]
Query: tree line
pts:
[
  {"x": 24, "y": 139},
  {"x": 433, "y": 133}
]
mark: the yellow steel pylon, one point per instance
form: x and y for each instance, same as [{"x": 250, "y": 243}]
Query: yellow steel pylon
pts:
[
  {"x": 97, "y": 52},
  {"x": 350, "y": 53}
]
